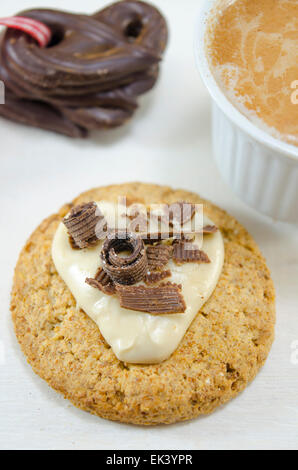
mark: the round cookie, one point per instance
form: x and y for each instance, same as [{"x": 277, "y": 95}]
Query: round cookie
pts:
[{"x": 221, "y": 352}]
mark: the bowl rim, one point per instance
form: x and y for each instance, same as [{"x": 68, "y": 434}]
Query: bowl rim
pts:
[{"x": 239, "y": 119}]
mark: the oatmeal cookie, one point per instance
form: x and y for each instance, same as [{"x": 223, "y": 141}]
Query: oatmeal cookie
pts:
[{"x": 221, "y": 352}]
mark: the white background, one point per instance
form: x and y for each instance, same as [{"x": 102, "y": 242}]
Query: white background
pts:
[{"x": 167, "y": 142}]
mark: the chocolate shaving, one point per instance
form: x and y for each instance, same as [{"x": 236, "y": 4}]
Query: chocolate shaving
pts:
[
  {"x": 82, "y": 224},
  {"x": 124, "y": 270},
  {"x": 150, "y": 238},
  {"x": 209, "y": 229},
  {"x": 102, "y": 281},
  {"x": 164, "y": 299},
  {"x": 157, "y": 276},
  {"x": 187, "y": 252},
  {"x": 170, "y": 236},
  {"x": 177, "y": 213},
  {"x": 162, "y": 216},
  {"x": 158, "y": 256},
  {"x": 72, "y": 243},
  {"x": 181, "y": 212},
  {"x": 186, "y": 237},
  {"x": 137, "y": 223}
]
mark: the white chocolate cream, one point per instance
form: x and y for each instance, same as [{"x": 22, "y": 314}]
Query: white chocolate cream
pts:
[{"x": 138, "y": 337}]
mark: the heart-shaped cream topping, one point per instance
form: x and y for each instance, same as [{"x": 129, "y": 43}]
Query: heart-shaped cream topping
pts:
[{"x": 138, "y": 337}]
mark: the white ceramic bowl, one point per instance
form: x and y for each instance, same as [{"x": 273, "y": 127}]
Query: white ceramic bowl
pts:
[{"x": 262, "y": 170}]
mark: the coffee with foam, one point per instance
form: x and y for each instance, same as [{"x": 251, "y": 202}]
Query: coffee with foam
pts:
[{"x": 253, "y": 50}]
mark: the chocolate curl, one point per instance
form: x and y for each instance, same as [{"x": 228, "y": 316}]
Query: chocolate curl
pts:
[
  {"x": 164, "y": 299},
  {"x": 124, "y": 270},
  {"x": 157, "y": 276},
  {"x": 102, "y": 282},
  {"x": 187, "y": 253},
  {"x": 158, "y": 256},
  {"x": 82, "y": 223}
]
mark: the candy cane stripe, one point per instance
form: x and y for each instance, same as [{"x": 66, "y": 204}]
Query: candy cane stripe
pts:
[{"x": 39, "y": 31}]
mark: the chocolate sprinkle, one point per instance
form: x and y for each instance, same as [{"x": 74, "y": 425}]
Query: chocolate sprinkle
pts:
[
  {"x": 164, "y": 299},
  {"x": 157, "y": 276},
  {"x": 124, "y": 270},
  {"x": 82, "y": 224},
  {"x": 158, "y": 256},
  {"x": 103, "y": 282},
  {"x": 187, "y": 252}
]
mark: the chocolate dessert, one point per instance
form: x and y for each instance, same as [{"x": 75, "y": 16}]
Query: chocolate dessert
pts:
[{"x": 90, "y": 74}]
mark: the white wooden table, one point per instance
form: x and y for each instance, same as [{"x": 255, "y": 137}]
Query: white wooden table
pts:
[{"x": 167, "y": 142}]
